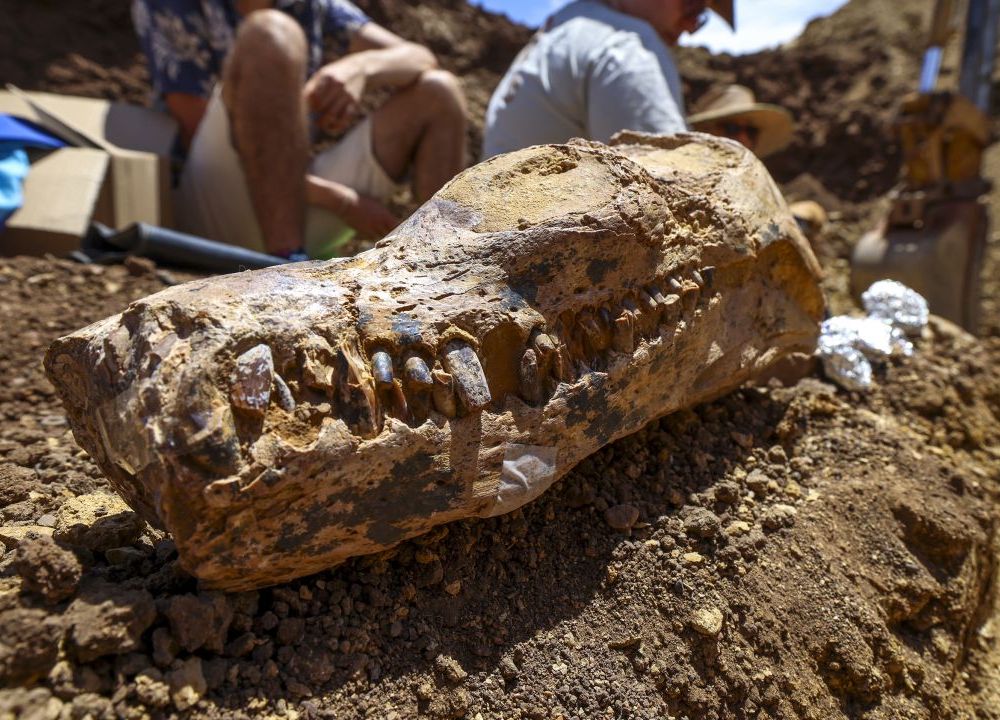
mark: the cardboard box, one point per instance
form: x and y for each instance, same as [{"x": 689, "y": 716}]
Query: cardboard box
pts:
[
  {"x": 133, "y": 183},
  {"x": 62, "y": 195}
]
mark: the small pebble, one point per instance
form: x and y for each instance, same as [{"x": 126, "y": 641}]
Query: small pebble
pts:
[
  {"x": 739, "y": 527},
  {"x": 757, "y": 481},
  {"x": 779, "y": 516},
  {"x": 621, "y": 517},
  {"x": 777, "y": 455},
  {"x": 508, "y": 669},
  {"x": 701, "y": 523},
  {"x": 707, "y": 621}
]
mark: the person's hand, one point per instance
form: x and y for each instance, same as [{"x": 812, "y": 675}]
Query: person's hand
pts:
[
  {"x": 333, "y": 95},
  {"x": 368, "y": 216}
]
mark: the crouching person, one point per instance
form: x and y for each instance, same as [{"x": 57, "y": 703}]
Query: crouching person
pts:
[{"x": 246, "y": 82}]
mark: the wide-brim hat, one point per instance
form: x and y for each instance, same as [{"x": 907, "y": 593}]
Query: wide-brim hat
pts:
[
  {"x": 736, "y": 103},
  {"x": 724, "y": 9}
]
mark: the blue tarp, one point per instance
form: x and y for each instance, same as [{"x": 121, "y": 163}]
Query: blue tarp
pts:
[{"x": 16, "y": 130}]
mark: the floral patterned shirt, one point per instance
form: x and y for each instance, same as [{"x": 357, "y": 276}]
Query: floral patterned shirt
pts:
[{"x": 186, "y": 41}]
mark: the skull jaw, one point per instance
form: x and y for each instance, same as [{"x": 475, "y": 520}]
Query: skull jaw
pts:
[{"x": 282, "y": 421}]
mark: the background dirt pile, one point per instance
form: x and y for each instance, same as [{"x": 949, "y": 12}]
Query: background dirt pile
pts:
[{"x": 781, "y": 553}]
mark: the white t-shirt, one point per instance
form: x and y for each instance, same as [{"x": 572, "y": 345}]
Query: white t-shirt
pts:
[{"x": 589, "y": 72}]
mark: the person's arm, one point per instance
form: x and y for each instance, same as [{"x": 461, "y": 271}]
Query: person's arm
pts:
[
  {"x": 388, "y": 60},
  {"x": 376, "y": 59},
  {"x": 187, "y": 110},
  {"x": 366, "y": 215},
  {"x": 634, "y": 86}
]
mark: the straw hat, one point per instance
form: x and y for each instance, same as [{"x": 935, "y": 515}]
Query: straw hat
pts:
[{"x": 736, "y": 103}]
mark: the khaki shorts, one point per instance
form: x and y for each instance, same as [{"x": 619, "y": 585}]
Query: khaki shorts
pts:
[{"x": 213, "y": 200}]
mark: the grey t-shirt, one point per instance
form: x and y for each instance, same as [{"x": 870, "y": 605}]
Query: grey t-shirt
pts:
[{"x": 589, "y": 72}]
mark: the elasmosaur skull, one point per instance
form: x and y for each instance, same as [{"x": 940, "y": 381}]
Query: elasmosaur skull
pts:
[{"x": 541, "y": 305}]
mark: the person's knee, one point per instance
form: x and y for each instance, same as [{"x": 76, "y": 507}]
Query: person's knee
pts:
[
  {"x": 443, "y": 89},
  {"x": 270, "y": 38}
]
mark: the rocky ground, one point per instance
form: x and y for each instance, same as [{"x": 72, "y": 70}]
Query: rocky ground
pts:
[{"x": 781, "y": 553}]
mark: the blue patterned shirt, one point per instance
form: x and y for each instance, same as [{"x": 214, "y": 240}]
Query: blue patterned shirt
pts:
[{"x": 186, "y": 41}]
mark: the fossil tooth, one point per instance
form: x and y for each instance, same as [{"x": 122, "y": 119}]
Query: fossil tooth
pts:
[
  {"x": 647, "y": 299},
  {"x": 461, "y": 361},
  {"x": 399, "y": 407},
  {"x": 543, "y": 344},
  {"x": 623, "y": 338},
  {"x": 444, "y": 394},
  {"x": 358, "y": 401},
  {"x": 572, "y": 334},
  {"x": 657, "y": 295},
  {"x": 561, "y": 367},
  {"x": 690, "y": 295},
  {"x": 419, "y": 384},
  {"x": 671, "y": 307},
  {"x": 675, "y": 285},
  {"x": 374, "y": 468},
  {"x": 598, "y": 339},
  {"x": 709, "y": 274},
  {"x": 417, "y": 374},
  {"x": 382, "y": 368},
  {"x": 531, "y": 385},
  {"x": 588, "y": 323},
  {"x": 286, "y": 401},
  {"x": 699, "y": 280},
  {"x": 251, "y": 390}
]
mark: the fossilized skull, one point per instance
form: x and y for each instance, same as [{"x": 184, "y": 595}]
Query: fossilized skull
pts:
[{"x": 541, "y": 305}]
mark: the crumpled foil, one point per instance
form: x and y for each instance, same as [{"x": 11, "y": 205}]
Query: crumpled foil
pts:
[
  {"x": 847, "y": 345},
  {"x": 897, "y": 305}
]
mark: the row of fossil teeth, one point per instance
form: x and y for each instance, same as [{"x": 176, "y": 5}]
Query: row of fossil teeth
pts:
[
  {"x": 456, "y": 385},
  {"x": 581, "y": 341},
  {"x": 407, "y": 388}
]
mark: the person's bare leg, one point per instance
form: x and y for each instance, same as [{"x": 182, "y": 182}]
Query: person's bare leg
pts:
[
  {"x": 423, "y": 128},
  {"x": 262, "y": 89}
]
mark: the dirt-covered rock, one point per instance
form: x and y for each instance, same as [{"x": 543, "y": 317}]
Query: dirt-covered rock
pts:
[
  {"x": 107, "y": 619},
  {"x": 12, "y": 536},
  {"x": 98, "y": 522},
  {"x": 29, "y": 644},
  {"x": 198, "y": 621},
  {"x": 16, "y": 484},
  {"x": 187, "y": 683},
  {"x": 47, "y": 569},
  {"x": 30, "y": 704}
]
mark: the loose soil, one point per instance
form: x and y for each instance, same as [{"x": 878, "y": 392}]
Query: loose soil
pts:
[{"x": 781, "y": 553}]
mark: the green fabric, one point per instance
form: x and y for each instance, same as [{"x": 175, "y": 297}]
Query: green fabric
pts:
[
  {"x": 326, "y": 234},
  {"x": 330, "y": 247}
]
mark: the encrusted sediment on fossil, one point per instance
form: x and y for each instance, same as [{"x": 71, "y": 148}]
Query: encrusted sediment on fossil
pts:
[{"x": 543, "y": 304}]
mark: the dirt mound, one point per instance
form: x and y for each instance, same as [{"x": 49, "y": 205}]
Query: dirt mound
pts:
[
  {"x": 88, "y": 49},
  {"x": 842, "y": 80},
  {"x": 780, "y": 553}
]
